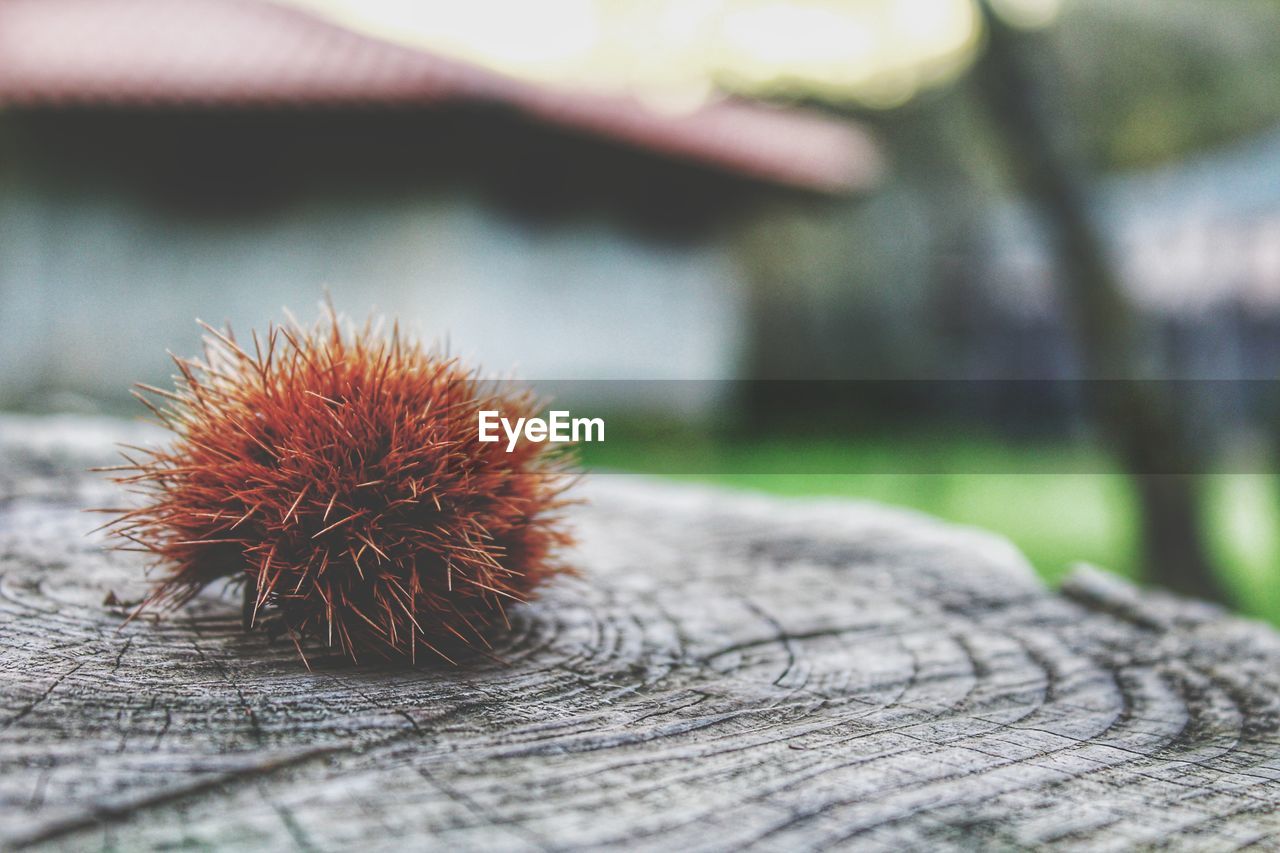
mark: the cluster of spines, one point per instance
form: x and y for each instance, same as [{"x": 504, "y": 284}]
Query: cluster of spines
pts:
[{"x": 338, "y": 474}]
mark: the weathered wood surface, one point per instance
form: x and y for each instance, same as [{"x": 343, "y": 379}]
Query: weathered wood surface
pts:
[{"x": 728, "y": 672}]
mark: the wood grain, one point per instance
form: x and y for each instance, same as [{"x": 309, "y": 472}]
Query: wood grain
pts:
[{"x": 728, "y": 672}]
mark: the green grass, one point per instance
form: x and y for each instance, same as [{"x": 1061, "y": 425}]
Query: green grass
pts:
[{"x": 1060, "y": 506}]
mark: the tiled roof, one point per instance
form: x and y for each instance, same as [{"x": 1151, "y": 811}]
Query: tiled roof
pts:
[{"x": 253, "y": 54}]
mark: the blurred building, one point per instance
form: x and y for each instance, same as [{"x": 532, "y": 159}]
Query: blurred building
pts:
[
  {"x": 1197, "y": 243},
  {"x": 167, "y": 159},
  {"x": 1195, "y": 236}
]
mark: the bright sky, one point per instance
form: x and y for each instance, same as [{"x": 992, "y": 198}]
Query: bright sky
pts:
[{"x": 876, "y": 52}]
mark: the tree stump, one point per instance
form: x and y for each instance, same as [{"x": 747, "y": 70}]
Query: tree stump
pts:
[{"x": 728, "y": 671}]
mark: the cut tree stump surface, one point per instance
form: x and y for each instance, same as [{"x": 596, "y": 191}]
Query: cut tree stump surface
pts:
[{"x": 728, "y": 671}]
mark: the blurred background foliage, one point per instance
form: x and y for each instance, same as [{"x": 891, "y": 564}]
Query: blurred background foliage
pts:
[
  {"x": 1147, "y": 81},
  {"x": 1150, "y": 82}
]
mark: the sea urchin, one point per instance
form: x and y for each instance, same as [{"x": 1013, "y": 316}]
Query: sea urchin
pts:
[{"x": 338, "y": 474}]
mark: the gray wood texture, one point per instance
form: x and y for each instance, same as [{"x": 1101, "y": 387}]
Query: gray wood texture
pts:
[{"x": 728, "y": 672}]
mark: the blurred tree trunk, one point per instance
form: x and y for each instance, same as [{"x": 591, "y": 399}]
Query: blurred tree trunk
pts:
[{"x": 1138, "y": 417}]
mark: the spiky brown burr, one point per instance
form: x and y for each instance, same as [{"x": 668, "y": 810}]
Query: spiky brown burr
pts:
[{"x": 338, "y": 474}]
